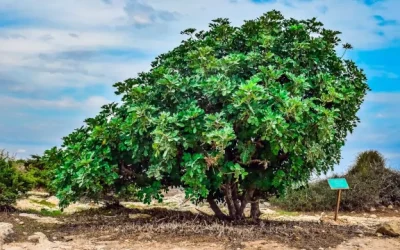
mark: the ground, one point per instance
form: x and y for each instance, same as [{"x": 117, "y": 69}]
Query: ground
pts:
[{"x": 176, "y": 224}]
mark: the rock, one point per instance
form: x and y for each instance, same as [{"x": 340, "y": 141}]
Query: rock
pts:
[
  {"x": 396, "y": 211},
  {"x": 353, "y": 212},
  {"x": 358, "y": 231},
  {"x": 382, "y": 207},
  {"x": 139, "y": 216},
  {"x": 364, "y": 215},
  {"x": 298, "y": 228},
  {"x": 373, "y": 216},
  {"x": 390, "y": 206},
  {"x": 5, "y": 230},
  {"x": 144, "y": 236},
  {"x": 54, "y": 238},
  {"x": 379, "y": 234},
  {"x": 390, "y": 229},
  {"x": 24, "y": 233},
  {"x": 21, "y": 223},
  {"x": 38, "y": 237},
  {"x": 372, "y": 209}
]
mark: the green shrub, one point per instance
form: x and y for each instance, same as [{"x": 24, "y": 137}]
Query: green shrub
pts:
[
  {"x": 40, "y": 169},
  {"x": 12, "y": 182},
  {"x": 371, "y": 184}
]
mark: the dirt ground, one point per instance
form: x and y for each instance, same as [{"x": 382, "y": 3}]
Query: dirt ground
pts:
[{"x": 175, "y": 224}]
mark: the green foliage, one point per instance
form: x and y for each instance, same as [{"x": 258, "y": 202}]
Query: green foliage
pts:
[
  {"x": 12, "y": 182},
  {"x": 233, "y": 111},
  {"x": 371, "y": 184},
  {"x": 39, "y": 170}
]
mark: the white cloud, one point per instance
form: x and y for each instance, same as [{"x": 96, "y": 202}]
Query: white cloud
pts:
[
  {"x": 61, "y": 103},
  {"x": 383, "y": 97},
  {"x": 21, "y": 151}
]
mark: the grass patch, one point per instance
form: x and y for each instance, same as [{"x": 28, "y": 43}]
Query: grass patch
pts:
[
  {"x": 44, "y": 212},
  {"x": 287, "y": 213},
  {"x": 43, "y": 203}
]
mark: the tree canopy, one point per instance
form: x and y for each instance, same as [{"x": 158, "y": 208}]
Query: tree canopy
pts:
[{"x": 232, "y": 114}]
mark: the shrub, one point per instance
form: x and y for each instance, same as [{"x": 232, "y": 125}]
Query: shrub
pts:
[
  {"x": 12, "y": 183},
  {"x": 371, "y": 184},
  {"x": 40, "y": 169}
]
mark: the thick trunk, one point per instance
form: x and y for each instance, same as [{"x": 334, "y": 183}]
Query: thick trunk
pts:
[
  {"x": 214, "y": 207},
  {"x": 255, "y": 210}
]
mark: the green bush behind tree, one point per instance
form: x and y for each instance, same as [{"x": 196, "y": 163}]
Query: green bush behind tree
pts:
[
  {"x": 13, "y": 183},
  {"x": 371, "y": 183}
]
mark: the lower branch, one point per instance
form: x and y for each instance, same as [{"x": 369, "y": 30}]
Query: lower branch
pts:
[{"x": 214, "y": 207}]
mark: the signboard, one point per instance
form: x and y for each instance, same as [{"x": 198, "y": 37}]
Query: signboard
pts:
[{"x": 338, "y": 183}]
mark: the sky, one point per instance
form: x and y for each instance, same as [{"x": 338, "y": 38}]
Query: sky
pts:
[{"x": 59, "y": 59}]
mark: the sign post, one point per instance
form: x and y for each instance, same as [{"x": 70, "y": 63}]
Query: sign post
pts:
[{"x": 338, "y": 184}]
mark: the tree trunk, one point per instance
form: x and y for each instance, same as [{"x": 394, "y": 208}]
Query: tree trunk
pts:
[
  {"x": 247, "y": 196},
  {"x": 255, "y": 210},
  {"x": 229, "y": 201},
  {"x": 235, "y": 197},
  {"x": 214, "y": 207}
]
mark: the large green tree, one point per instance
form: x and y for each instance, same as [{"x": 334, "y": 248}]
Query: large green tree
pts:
[{"x": 232, "y": 114}]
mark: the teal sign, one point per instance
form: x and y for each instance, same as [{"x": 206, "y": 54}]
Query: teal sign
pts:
[{"x": 338, "y": 183}]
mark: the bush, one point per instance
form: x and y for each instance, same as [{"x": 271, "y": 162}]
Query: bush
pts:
[
  {"x": 12, "y": 182},
  {"x": 371, "y": 184}
]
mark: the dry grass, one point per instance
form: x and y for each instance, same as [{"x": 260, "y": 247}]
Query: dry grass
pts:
[{"x": 163, "y": 225}]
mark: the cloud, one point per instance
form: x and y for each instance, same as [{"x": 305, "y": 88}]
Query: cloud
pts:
[
  {"x": 384, "y": 97},
  {"x": 61, "y": 103},
  {"x": 142, "y": 14}
]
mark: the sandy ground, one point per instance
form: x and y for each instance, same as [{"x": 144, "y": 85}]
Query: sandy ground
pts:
[{"x": 366, "y": 239}]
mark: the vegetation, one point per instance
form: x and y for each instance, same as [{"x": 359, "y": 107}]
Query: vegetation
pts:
[
  {"x": 232, "y": 114},
  {"x": 40, "y": 169},
  {"x": 12, "y": 183},
  {"x": 371, "y": 184}
]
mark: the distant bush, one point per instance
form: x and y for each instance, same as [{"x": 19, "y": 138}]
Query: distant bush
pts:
[
  {"x": 371, "y": 184},
  {"x": 40, "y": 169},
  {"x": 12, "y": 182}
]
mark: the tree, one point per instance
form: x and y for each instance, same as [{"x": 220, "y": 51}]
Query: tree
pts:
[{"x": 231, "y": 114}]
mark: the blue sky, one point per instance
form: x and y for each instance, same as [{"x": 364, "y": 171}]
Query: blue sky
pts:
[{"x": 59, "y": 59}]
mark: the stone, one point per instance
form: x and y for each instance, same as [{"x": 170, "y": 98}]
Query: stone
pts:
[
  {"x": 144, "y": 236},
  {"x": 379, "y": 234},
  {"x": 298, "y": 228},
  {"x": 372, "y": 209},
  {"x": 139, "y": 216},
  {"x": 38, "y": 237},
  {"x": 21, "y": 223},
  {"x": 5, "y": 230},
  {"x": 358, "y": 231},
  {"x": 390, "y": 206},
  {"x": 396, "y": 211},
  {"x": 373, "y": 216},
  {"x": 389, "y": 228}
]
